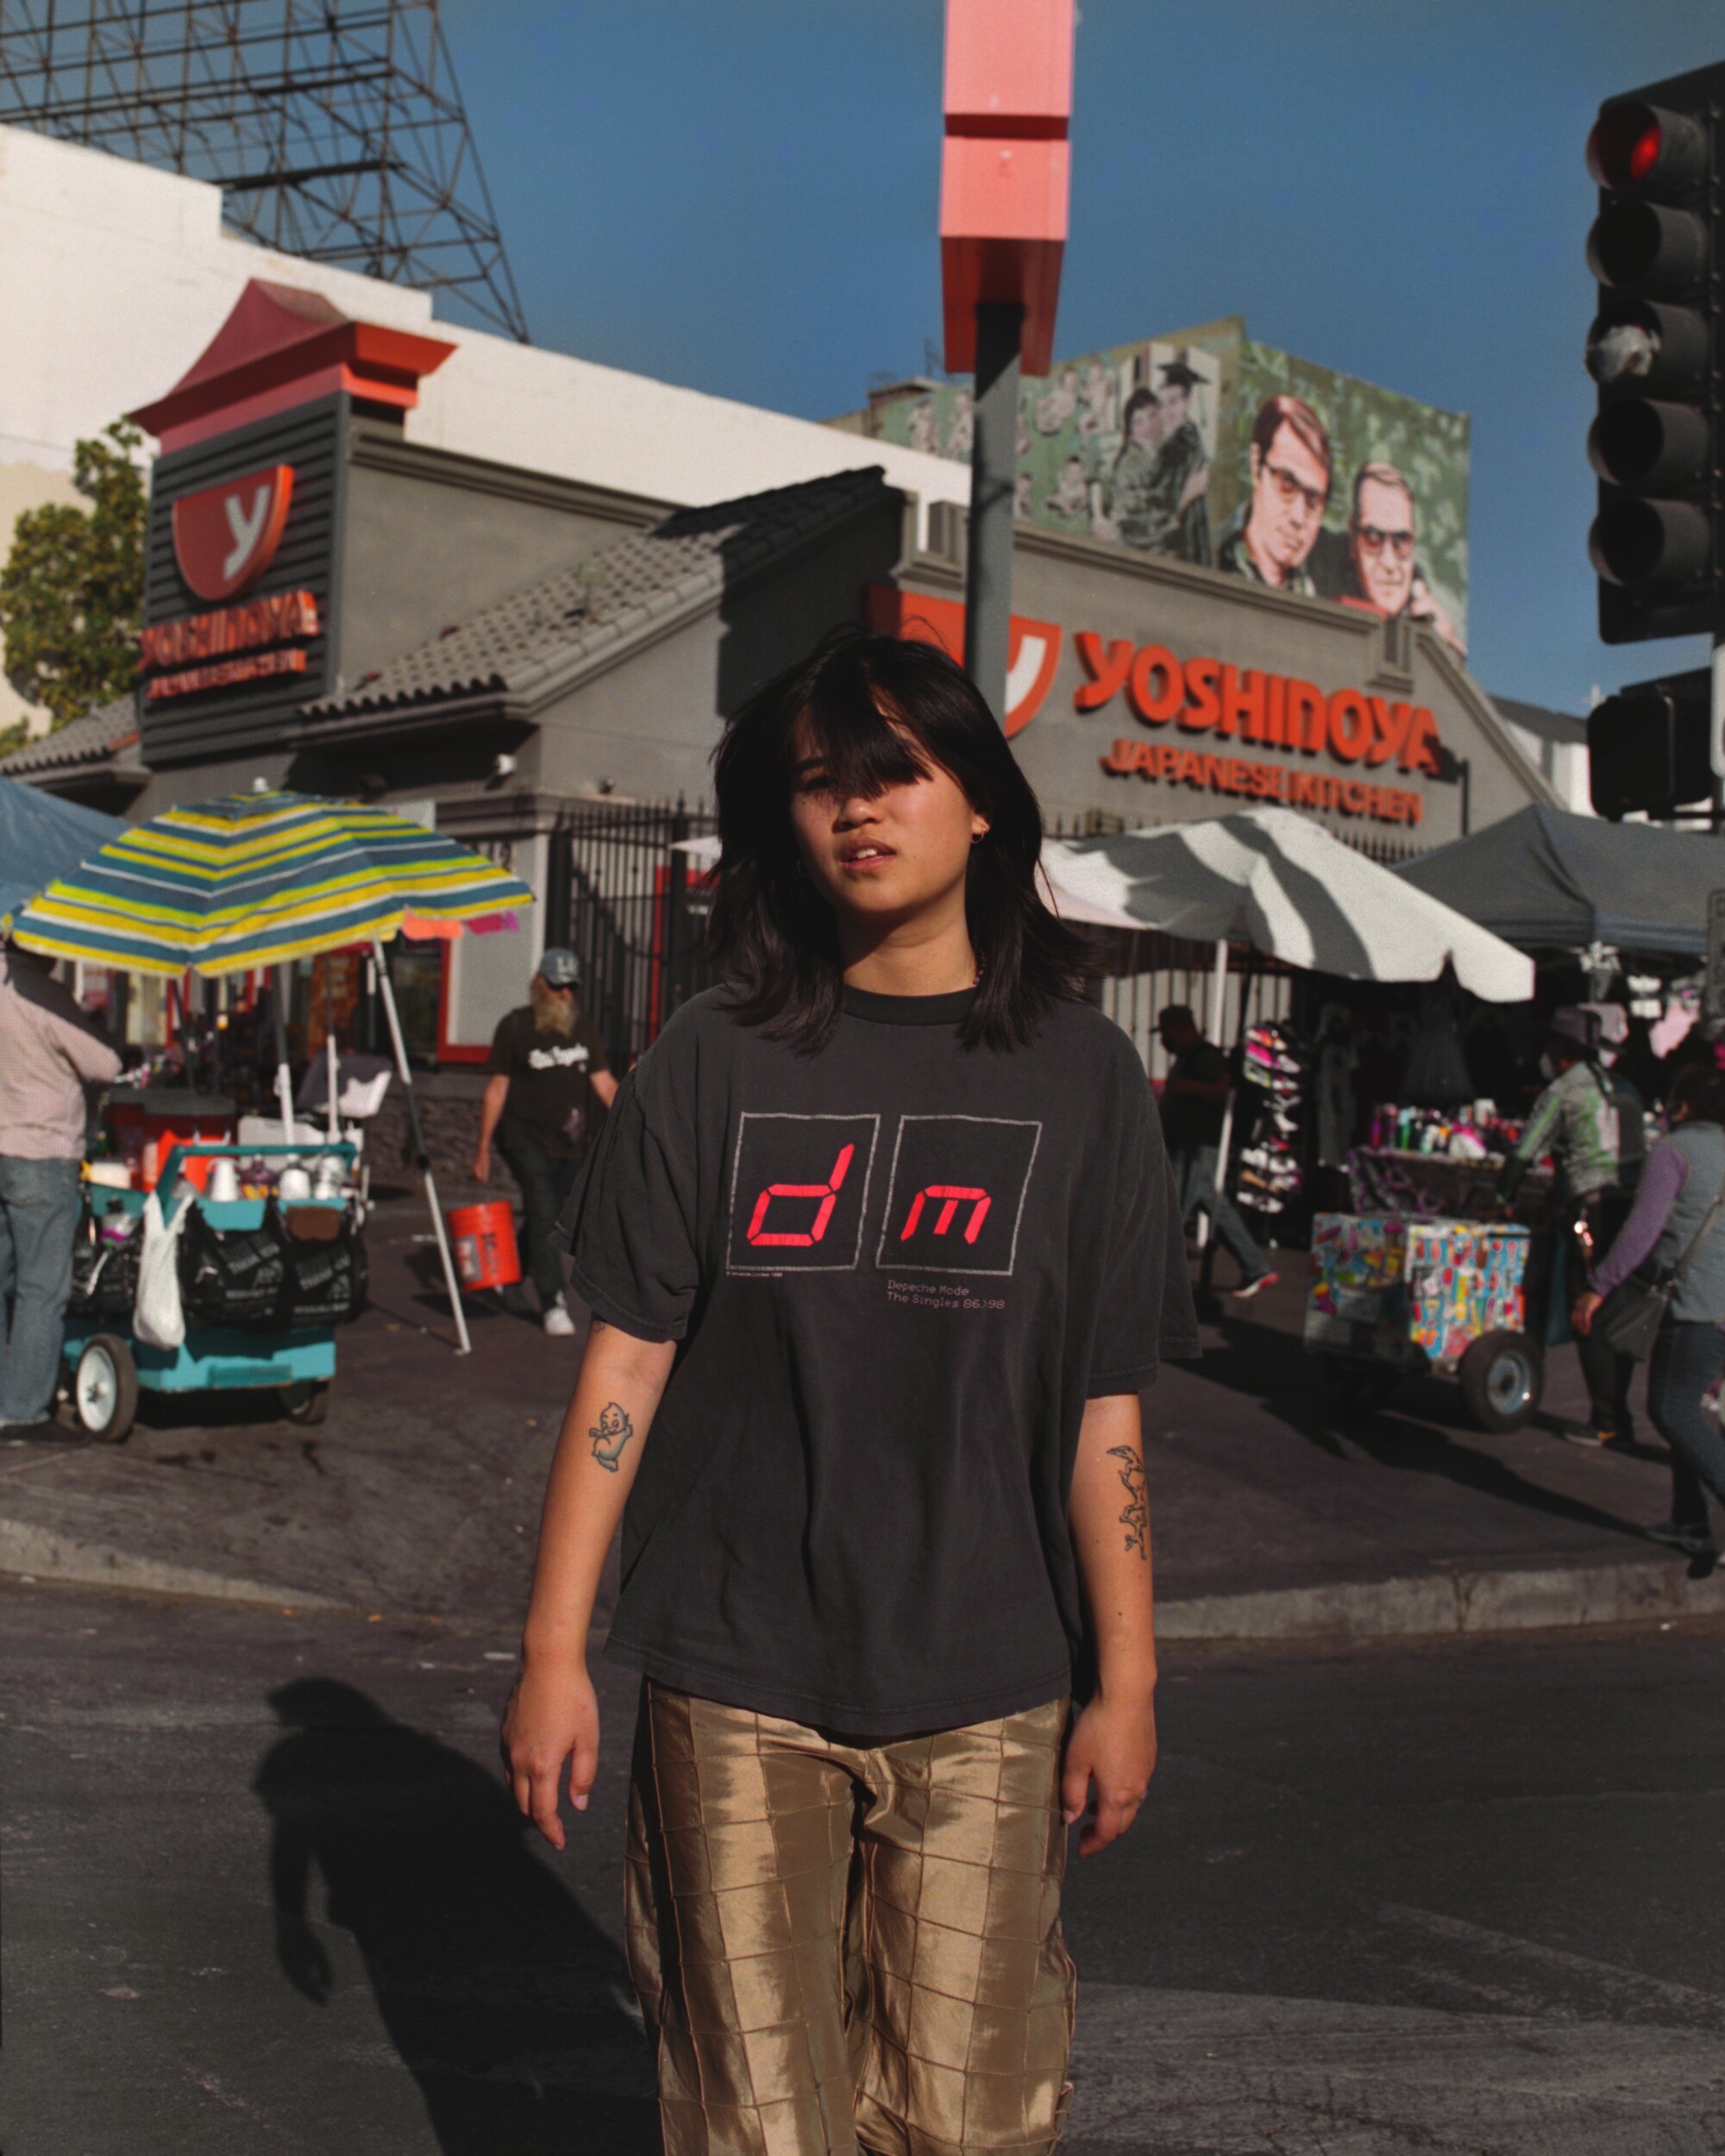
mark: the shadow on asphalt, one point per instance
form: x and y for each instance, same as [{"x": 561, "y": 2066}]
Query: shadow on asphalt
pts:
[
  {"x": 1414, "y": 1437},
  {"x": 502, "y": 1997}
]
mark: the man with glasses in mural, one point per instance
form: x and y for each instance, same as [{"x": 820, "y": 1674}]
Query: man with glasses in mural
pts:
[
  {"x": 1383, "y": 574},
  {"x": 1271, "y": 540}
]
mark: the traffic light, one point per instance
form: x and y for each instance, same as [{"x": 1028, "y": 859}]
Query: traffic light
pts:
[
  {"x": 1656, "y": 350},
  {"x": 1648, "y": 747}
]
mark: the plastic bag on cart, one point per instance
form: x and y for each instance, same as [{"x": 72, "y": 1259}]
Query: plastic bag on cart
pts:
[
  {"x": 328, "y": 1272},
  {"x": 158, "y": 1315},
  {"x": 104, "y": 1269},
  {"x": 234, "y": 1276}
]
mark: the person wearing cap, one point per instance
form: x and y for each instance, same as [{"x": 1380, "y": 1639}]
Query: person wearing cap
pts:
[
  {"x": 1578, "y": 1120},
  {"x": 546, "y": 1067},
  {"x": 1194, "y": 1102}
]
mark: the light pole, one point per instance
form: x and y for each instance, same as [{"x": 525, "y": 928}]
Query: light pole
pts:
[{"x": 1005, "y": 170}]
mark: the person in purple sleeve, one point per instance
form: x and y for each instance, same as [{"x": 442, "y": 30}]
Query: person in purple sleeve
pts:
[{"x": 1686, "y": 1172}]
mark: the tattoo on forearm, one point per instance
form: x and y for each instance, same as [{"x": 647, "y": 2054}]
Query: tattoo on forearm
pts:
[
  {"x": 1136, "y": 1517},
  {"x": 610, "y": 1434}
]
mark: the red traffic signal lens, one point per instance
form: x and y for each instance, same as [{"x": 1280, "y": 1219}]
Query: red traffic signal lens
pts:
[
  {"x": 1636, "y": 146},
  {"x": 1624, "y": 146}
]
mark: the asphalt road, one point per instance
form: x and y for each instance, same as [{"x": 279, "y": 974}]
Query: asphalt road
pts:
[{"x": 264, "y": 1892}]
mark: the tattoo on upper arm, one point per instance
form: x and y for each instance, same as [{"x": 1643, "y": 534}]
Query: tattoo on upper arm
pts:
[
  {"x": 1136, "y": 1517},
  {"x": 610, "y": 1434}
]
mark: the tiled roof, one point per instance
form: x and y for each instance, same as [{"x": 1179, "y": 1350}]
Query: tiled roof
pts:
[
  {"x": 525, "y": 646},
  {"x": 91, "y": 739}
]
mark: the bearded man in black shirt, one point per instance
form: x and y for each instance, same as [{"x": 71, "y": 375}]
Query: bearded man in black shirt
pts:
[{"x": 546, "y": 1067}]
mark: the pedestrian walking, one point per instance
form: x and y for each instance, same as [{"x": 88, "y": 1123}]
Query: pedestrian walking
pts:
[
  {"x": 1578, "y": 1120},
  {"x": 50, "y": 1052},
  {"x": 881, "y": 1246},
  {"x": 546, "y": 1069},
  {"x": 1682, "y": 1198},
  {"x": 1194, "y": 1103}
]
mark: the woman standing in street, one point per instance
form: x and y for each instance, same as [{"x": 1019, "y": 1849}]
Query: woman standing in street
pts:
[
  {"x": 1683, "y": 1175},
  {"x": 880, "y": 1247}
]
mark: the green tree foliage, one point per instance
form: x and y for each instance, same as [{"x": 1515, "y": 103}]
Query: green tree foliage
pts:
[{"x": 71, "y": 593}]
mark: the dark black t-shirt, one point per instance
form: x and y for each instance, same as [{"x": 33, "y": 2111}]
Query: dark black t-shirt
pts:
[
  {"x": 897, "y": 1270},
  {"x": 548, "y": 1075},
  {"x": 1186, "y": 1120}
]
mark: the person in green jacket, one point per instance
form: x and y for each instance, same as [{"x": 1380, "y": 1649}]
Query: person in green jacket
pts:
[{"x": 1578, "y": 1120}]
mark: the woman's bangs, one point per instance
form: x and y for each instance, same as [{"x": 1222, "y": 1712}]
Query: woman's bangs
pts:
[{"x": 859, "y": 750}]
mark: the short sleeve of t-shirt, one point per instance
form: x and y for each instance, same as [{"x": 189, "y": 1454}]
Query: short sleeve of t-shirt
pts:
[
  {"x": 630, "y": 1229},
  {"x": 1146, "y": 1315},
  {"x": 503, "y": 1058}
]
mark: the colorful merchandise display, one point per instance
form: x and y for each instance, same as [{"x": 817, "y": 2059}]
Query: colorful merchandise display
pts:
[{"x": 1270, "y": 1178}]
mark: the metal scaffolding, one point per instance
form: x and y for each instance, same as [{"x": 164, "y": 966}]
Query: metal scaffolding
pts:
[{"x": 334, "y": 128}]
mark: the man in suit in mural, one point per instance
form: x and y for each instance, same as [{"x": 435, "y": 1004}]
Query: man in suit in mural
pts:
[
  {"x": 1272, "y": 538},
  {"x": 1156, "y": 493},
  {"x": 1383, "y": 573}
]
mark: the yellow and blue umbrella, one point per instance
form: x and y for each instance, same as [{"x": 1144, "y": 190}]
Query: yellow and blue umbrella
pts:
[{"x": 253, "y": 879}]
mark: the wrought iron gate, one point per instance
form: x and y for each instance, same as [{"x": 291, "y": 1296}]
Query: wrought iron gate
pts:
[{"x": 634, "y": 904}]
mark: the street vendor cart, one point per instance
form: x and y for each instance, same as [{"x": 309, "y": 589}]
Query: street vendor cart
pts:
[
  {"x": 1392, "y": 1295},
  {"x": 265, "y": 1281}
]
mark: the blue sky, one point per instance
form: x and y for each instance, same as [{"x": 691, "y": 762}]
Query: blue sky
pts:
[{"x": 741, "y": 195}]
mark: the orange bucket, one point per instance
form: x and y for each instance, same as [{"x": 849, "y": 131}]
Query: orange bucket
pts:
[{"x": 484, "y": 1240}]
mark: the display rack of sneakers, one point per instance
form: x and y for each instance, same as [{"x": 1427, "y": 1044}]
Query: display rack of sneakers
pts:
[{"x": 1269, "y": 1175}]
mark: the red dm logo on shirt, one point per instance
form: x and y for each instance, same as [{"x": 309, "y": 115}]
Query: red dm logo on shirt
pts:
[
  {"x": 799, "y": 1189},
  {"x": 225, "y": 536},
  {"x": 955, "y": 1195}
]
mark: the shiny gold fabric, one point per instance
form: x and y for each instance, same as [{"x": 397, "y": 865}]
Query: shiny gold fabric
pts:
[{"x": 839, "y": 1944}]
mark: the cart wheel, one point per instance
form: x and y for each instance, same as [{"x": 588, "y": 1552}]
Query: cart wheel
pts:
[
  {"x": 104, "y": 1389},
  {"x": 307, "y": 1402},
  {"x": 1501, "y": 1376}
]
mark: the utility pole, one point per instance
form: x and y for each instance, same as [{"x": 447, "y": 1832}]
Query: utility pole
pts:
[{"x": 1004, "y": 184}]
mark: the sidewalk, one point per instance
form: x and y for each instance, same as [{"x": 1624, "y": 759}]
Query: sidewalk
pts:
[{"x": 420, "y": 1493}]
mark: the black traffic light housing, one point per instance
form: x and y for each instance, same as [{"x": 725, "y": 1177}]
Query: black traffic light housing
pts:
[
  {"x": 1656, "y": 349},
  {"x": 1648, "y": 747}
]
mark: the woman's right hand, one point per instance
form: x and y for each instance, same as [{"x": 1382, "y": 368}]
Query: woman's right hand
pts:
[
  {"x": 552, "y": 1715},
  {"x": 1581, "y": 1318}
]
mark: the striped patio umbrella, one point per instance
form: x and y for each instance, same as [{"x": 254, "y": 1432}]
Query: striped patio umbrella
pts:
[{"x": 253, "y": 879}]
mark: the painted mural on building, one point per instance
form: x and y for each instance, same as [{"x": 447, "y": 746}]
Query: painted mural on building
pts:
[{"x": 1223, "y": 452}]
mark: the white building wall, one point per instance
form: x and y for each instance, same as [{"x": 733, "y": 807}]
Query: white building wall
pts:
[
  {"x": 114, "y": 277},
  {"x": 1562, "y": 764}
]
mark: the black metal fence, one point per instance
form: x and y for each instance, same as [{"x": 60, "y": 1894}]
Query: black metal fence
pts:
[{"x": 634, "y": 898}]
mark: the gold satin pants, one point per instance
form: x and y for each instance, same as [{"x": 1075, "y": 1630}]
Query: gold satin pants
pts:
[{"x": 842, "y": 1944}]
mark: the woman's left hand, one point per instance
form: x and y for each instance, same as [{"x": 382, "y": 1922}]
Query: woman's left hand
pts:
[
  {"x": 1581, "y": 1318},
  {"x": 1112, "y": 1748}
]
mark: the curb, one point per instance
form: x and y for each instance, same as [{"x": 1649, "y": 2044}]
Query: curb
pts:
[
  {"x": 42, "y": 1554},
  {"x": 1449, "y": 1603},
  {"x": 1439, "y": 1605}
]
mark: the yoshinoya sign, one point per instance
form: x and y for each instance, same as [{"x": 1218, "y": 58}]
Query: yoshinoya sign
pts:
[
  {"x": 232, "y": 643},
  {"x": 1365, "y": 741},
  {"x": 1204, "y": 695},
  {"x": 225, "y": 536}
]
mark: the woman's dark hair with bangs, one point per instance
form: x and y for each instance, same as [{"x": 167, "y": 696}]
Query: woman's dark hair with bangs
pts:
[{"x": 771, "y": 935}]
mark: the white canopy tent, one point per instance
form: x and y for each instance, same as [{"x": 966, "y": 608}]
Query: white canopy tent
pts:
[{"x": 1279, "y": 881}]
